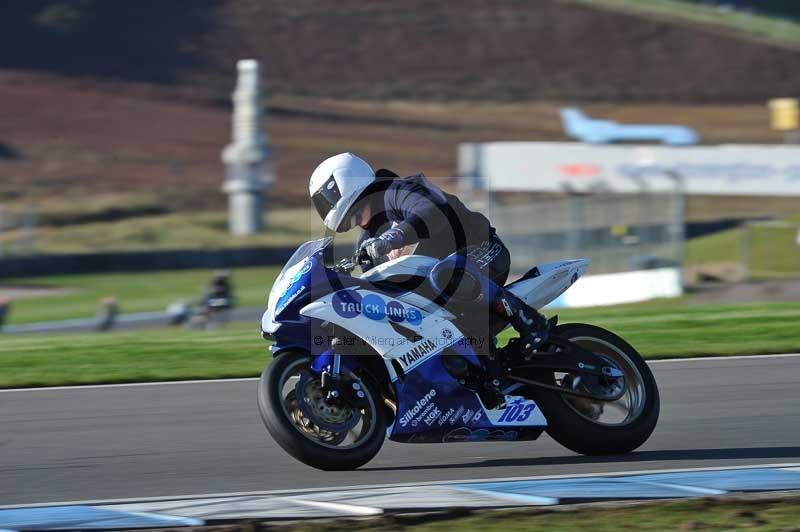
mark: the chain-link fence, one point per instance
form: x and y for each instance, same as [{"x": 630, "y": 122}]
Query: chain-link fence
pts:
[
  {"x": 770, "y": 249},
  {"x": 617, "y": 232}
]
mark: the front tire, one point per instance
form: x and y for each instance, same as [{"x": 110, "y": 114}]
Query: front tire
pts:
[
  {"x": 578, "y": 424},
  {"x": 297, "y": 434}
]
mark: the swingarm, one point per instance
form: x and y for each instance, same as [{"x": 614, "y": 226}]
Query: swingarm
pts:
[{"x": 591, "y": 376}]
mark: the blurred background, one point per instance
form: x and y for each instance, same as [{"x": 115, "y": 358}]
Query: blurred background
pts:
[{"x": 651, "y": 136}]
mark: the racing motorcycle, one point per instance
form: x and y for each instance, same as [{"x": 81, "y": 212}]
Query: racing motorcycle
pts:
[{"x": 357, "y": 359}]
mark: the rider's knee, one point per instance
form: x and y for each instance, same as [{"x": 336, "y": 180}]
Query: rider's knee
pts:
[{"x": 456, "y": 278}]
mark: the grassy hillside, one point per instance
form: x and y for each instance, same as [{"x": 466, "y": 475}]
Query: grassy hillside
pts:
[
  {"x": 370, "y": 49},
  {"x": 289, "y": 227},
  {"x": 775, "y": 22},
  {"x": 112, "y": 110},
  {"x": 86, "y": 149}
]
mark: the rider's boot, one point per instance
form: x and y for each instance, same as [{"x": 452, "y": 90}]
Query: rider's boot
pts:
[{"x": 532, "y": 326}]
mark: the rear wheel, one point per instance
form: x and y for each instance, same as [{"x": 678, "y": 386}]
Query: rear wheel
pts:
[
  {"x": 323, "y": 434},
  {"x": 594, "y": 427}
]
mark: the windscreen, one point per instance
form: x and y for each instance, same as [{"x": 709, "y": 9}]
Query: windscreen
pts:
[{"x": 305, "y": 250}]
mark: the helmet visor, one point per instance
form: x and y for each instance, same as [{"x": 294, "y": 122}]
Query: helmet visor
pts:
[{"x": 326, "y": 197}]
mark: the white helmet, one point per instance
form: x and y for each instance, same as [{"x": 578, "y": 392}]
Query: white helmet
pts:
[{"x": 336, "y": 185}]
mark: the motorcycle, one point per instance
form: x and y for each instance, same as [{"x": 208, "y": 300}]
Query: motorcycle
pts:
[{"x": 359, "y": 359}]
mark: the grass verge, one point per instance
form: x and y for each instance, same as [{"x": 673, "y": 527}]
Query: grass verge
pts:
[
  {"x": 658, "y": 329},
  {"x": 778, "y": 513},
  {"x": 198, "y": 230},
  {"x": 136, "y": 292},
  {"x": 138, "y": 356},
  {"x": 769, "y": 250},
  {"x": 674, "y": 328}
]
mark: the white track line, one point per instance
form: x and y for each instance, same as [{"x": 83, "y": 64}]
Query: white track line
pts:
[
  {"x": 445, "y": 483},
  {"x": 680, "y": 487},
  {"x": 347, "y": 509},
  {"x": 253, "y": 379},
  {"x": 722, "y": 358},
  {"x": 536, "y": 500}
]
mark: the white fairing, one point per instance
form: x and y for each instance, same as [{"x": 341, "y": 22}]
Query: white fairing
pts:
[
  {"x": 553, "y": 280},
  {"x": 525, "y": 413},
  {"x": 405, "y": 267},
  {"x": 433, "y": 332},
  {"x": 408, "y": 265}
]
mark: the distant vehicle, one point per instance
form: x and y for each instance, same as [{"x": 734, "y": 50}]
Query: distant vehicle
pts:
[
  {"x": 577, "y": 125},
  {"x": 107, "y": 315},
  {"x": 359, "y": 359},
  {"x": 5, "y": 306},
  {"x": 213, "y": 309}
]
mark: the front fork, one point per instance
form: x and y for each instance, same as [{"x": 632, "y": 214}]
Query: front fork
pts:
[{"x": 335, "y": 371}]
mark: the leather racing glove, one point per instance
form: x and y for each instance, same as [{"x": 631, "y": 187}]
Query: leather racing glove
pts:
[{"x": 375, "y": 248}]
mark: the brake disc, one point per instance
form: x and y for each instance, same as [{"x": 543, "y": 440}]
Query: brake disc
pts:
[
  {"x": 307, "y": 426},
  {"x": 331, "y": 416}
]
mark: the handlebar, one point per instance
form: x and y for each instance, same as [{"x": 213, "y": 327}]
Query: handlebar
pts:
[
  {"x": 344, "y": 266},
  {"x": 349, "y": 264}
]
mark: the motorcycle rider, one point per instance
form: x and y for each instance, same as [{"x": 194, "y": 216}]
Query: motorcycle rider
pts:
[{"x": 402, "y": 215}]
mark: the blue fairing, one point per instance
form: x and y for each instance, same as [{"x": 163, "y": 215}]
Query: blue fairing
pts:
[
  {"x": 432, "y": 406},
  {"x": 310, "y": 282}
]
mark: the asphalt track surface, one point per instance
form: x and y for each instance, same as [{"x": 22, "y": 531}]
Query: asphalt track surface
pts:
[{"x": 99, "y": 443}]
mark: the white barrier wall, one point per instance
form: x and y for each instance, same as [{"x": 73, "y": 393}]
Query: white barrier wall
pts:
[
  {"x": 617, "y": 288},
  {"x": 565, "y": 166}
]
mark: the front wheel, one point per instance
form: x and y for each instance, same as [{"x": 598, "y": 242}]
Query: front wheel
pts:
[
  {"x": 601, "y": 427},
  {"x": 320, "y": 433}
]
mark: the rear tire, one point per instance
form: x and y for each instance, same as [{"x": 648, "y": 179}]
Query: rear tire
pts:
[
  {"x": 576, "y": 431},
  {"x": 272, "y": 400}
]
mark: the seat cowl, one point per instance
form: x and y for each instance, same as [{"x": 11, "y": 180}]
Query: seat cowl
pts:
[{"x": 543, "y": 284}]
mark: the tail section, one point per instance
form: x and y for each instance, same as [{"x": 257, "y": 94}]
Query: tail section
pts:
[{"x": 544, "y": 283}]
